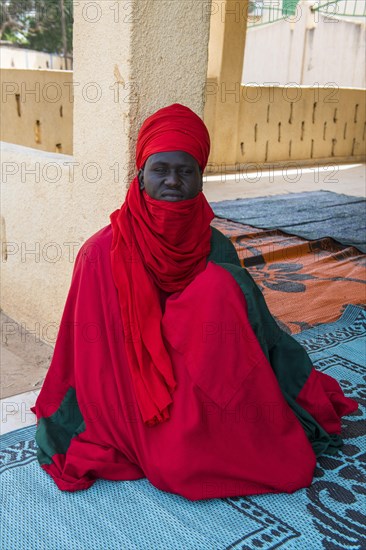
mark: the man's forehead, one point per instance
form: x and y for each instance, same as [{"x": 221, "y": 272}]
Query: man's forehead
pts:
[{"x": 172, "y": 157}]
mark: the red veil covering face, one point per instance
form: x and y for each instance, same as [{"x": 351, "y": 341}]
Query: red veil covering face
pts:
[{"x": 158, "y": 245}]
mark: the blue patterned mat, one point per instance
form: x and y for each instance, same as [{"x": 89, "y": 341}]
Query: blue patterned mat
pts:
[{"x": 135, "y": 515}]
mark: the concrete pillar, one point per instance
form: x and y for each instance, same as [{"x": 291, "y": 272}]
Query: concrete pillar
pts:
[
  {"x": 225, "y": 64},
  {"x": 130, "y": 59}
]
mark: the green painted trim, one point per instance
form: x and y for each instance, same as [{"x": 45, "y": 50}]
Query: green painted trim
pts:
[
  {"x": 54, "y": 433},
  {"x": 323, "y": 8},
  {"x": 289, "y": 7}
]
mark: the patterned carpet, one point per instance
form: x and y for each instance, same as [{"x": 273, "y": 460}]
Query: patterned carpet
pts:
[
  {"x": 135, "y": 515},
  {"x": 304, "y": 282},
  {"x": 311, "y": 215}
]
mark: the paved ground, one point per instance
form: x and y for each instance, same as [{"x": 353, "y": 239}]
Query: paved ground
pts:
[
  {"x": 24, "y": 360},
  {"x": 347, "y": 179}
]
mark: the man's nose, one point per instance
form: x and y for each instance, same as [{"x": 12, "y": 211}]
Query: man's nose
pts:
[{"x": 172, "y": 179}]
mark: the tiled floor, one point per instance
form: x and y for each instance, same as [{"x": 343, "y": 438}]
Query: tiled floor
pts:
[
  {"x": 16, "y": 413},
  {"x": 347, "y": 179}
]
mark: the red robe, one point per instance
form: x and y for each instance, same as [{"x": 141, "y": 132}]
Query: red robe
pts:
[{"x": 248, "y": 411}]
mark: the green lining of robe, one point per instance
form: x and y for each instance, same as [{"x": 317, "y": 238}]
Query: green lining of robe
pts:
[{"x": 54, "y": 433}]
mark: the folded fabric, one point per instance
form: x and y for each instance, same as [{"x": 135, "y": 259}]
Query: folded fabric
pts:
[{"x": 249, "y": 415}]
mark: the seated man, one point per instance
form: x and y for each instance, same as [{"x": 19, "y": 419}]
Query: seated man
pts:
[{"x": 168, "y": 364}]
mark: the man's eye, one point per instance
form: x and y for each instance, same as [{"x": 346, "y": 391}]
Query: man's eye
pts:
[
  {"x": 160, "y": 170},
  {"x": 187, "y": 171}
]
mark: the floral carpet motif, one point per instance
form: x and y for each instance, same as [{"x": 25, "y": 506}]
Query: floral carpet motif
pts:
[{"x": 304, "y": 282}]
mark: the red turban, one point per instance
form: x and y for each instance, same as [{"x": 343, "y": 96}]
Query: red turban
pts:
[
  {"x": 173, "y": 128},
  {"x": 158, "y": 246}
]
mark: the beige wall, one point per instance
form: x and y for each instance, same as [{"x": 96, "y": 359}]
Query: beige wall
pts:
[
  {"x": 307, "y": 48},
  {"x": 281, "y": 124},
  {"x": 342, "y": 45},
  {"x": 22, "y": 58},
  {"x": 149, "y": 54},
  {"x": 39, "y": 235},
  {"x": 37, "y": 109}
]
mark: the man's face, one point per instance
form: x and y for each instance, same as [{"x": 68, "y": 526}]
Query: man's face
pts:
[{"x": 171, "y": 176}]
